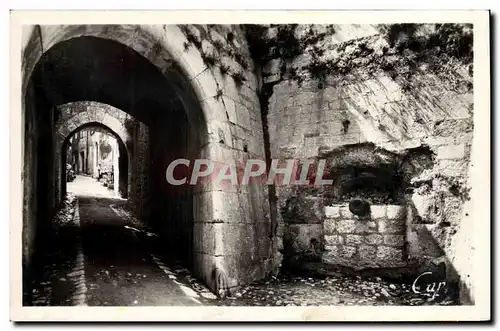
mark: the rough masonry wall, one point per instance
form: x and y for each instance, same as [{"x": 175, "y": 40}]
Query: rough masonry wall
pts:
[
  {"x": 138, "y": 171},
  {"x": 368, "y": 84}
]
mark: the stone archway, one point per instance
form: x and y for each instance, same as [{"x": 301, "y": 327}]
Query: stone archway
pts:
[{"x": 221, "y": 121}]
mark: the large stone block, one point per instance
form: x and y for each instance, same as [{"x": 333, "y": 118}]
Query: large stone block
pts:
[
  {"x": 395, "y": 211},
  {"x": 208, "y": 238},
  {"x": 423, "y": 205},
  {"x": 365, "y": 226},
  {"x": 298, "y": 237},
  {"x": 394, "y": 240},
  {"x": 232, "y": 207},
  {"x": 332, "y": 211},
  {"x": 367, "y": 254},
  {"x": 451, "y": 151},
  {"x": 421, "y": 242},
  {"x": 231, "y": 239},
  {"x": 345, "y": 212},
  {"x": 456, "y": 167},
  {"x": 354, "y": 240},
  {"x": 334, "y": 240},
  {"x": 374, "y": 239},
  {"x": 329, "y": 226},
  {"x": 244, "y": 268},
  {"x": 204, "y": 268}
]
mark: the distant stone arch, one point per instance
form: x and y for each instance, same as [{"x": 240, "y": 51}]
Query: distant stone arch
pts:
[{"x": 76, "y": 116}]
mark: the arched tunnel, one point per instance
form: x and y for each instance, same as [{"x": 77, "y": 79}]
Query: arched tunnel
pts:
[
  {"x": 116, "y": 154},
  {"x": 162, "y": 122}
]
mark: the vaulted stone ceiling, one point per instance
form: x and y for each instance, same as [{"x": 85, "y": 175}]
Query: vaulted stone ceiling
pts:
[{"x": 95, "y": 69}]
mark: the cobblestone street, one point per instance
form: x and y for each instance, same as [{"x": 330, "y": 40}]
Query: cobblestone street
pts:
[
  {"x": 103, "y": 256},
  {"x": 98, "y": 257}
]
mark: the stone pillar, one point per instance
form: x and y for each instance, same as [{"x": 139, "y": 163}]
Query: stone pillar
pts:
[
  {"x": 116, "y": 168},
  {"x": 98, "y": 151}
]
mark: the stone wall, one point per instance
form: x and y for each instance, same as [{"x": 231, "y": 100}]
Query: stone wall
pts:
[
  {"x": 212, "y": 81},
  {"x": 376, "y": 241}
]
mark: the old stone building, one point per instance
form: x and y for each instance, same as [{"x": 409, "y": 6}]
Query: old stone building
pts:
[{"x": 389, "y": 107}]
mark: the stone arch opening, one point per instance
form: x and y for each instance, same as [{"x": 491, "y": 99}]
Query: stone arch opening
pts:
[
  {"x": 122, "y": 171},
  {"x": 129, "y": 70}
]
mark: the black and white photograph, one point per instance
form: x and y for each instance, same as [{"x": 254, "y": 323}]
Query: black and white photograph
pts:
[{"x": 293, "y": 164}]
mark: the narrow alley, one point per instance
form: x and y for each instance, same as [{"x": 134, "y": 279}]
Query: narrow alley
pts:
[
  {"x": 107, "y": 261},
  {"x": 103, "y": 256}
]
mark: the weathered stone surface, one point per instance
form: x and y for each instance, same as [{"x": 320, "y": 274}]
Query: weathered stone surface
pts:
[
  {"x": 332, "y": 211},
  {"x": 394, "y": 240},
  {"x": 329, "y": 226},
  {"x": 374, "y": 239},
  {"x": 354, "y": 239},
  {"x": 330, "y": 255},
  {"x": 346, "y": 226},
  {"x": 395, "y": 211},
  {"x": 365, "y": 226},
  {"x": 339, "y": 254},
  {"x": 305, "y": 210},
  {"x": 391, "y": 226},
  {"x": 389, "y": 254},
  {"x": 334, "y": 240},
  {"x": 367, "y": 253},
  {"x": 451, "y": 152},
  {"x": 421, "y": 242},
  {"x": 347, "y": 252},
  {"x": 345, "y": 212},
  {"x": 378, "y": 211},
  {"x": 306, "y": 118},
  {"x": 298, "y": 237}
]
